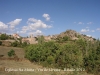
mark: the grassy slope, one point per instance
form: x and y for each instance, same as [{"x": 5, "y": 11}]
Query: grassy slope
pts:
[
  {"x": 23, "y": 64},
  {"x": 26, "y": 64},
  {"x": 4, "y": 50},
  {"x": 18, "y": 64}
]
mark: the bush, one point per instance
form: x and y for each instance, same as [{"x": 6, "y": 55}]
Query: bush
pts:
[
  {"x": 65, "y": 38},
  {"x": 15, "y": 44},
  {"x": 0, "y": 42},
  {"x": 3, "y": 37},
  {"x": 50, "y": 60},
  {"x": 11, "y": 53},
  {"x": 24, "y": 44}
]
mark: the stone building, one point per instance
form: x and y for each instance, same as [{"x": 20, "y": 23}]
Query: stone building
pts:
[
  {"x": 47, "y": 38},
  {"x": 15, "y": 35},
  {"x": 30, "y": 40}
]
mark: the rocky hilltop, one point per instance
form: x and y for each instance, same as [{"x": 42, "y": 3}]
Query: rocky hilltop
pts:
[{"x": 73, "y": 35}]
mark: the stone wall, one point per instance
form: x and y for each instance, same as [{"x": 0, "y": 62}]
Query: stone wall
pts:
[{"x": 30, "y": 40}]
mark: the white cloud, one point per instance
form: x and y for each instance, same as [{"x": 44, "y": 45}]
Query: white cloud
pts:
[
  {"x": 89, "y": 23},
  {"x": 98, "y": 29},
  {"x": 35, "y": 24},
  {"x": 92, "y": 30},
  {"x": 33, "y": 27},
  {"x": 85, "y": 30},
  {"x": 3, "y": 27},
  {"x": 89, "y": 35},
  {"x": 46, "y": 16},
  {"x": 37, "y": 32},
  {"x": 87, "y": 27},
  {"x": 14, "y": 23},
  {"x": 21, "y": 31},
  {"x": 9, "y": 27},
  {"x": 25, "y": 28},
  {"x": 80, "y": 23},
  {"x": 32, "y": 20}
]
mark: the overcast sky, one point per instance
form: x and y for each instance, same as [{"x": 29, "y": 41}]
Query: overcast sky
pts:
[{"x": 49, "y": 17}]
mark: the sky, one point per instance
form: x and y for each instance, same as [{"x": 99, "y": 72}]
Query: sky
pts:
[{"x": 49, "y": 17}]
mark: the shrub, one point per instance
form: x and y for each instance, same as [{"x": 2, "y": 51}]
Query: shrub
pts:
[
  {"x": 3, "y": 37},
  {"x": 15, "y": 44},
  {"x": 11, "y": 53},
  {"x": 65, "y": 38},
  {"x": 24, "y": 44},
  {"x": 0, "y": 42},
  {"x": 50, "y": 59}
]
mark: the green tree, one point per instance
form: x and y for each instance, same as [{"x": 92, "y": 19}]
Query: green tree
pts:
[
  {"x": 66, "y": 38},
  {"x": 16, "y": 44},
  {"x": 70, "y": 56},
  {"x": 40, "y": 39},
  {"x": 3, "y": 37},
  {"x": 50, "y": 60},
  {"x": 98, "y": 60},
  {"x": 33, "y": 52},
  {"x": 11, "y": 53},
  {"x": 59, "y": 39},
  {"x": 92, "y": 61},
  {"x": 0, "y": 42},
  {"x": 24, "y": 44}
]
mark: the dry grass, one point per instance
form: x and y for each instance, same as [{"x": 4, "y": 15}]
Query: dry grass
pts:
[
  {"x": 4, "y": 50},
  {"x": 5, "y": 64}
]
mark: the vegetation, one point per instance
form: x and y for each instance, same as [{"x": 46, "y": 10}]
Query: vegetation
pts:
[
  {"x": 11, "y": 53},
  {"x": 40, "y": 39},
  {"x": 79, "y": 53},
  {"x": 63, "y": 52},
  {"x": 3, "y": 37},
  {"x": 15, "y": 44},
  {"x": 19, "y": 44},
  {"x": 0, "y": 42}
]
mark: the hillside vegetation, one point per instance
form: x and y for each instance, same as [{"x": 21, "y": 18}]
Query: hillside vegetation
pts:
[{"x": 66, "y": 52}]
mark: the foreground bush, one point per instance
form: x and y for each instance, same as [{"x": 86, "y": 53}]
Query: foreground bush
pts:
[{"x": 11, "y": 53}]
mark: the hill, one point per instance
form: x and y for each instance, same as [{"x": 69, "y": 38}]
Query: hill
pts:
[
  {"x": 16, "y": 40},
  {"x": 73, "y": 35},
  {"x": 69, "y": 49}
]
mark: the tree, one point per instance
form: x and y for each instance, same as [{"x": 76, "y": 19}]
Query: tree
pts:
[
  {"x": 98, "y": 59},
  {"x": 66, "y": 38},
  {"x": 24, "y": 44},
  {"x": 3, "y": 37},
  {"x": 0, "y": 42},
  {"x": 92, "y": 61},
  {"x": 40, "y": 39},
  {"x": 11, "y": 53},
  {"x": 50, "y": 60},
  {"x": 16, "y": 44},
  {"x": 33, "y": 52}
]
